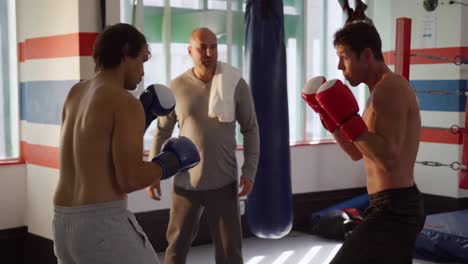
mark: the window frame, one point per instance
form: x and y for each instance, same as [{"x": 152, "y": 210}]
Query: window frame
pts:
[{"x": 11, "y": 91}]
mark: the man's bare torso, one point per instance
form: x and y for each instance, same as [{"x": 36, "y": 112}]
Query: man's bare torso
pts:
[
  {"x": 402, "y": 173},
  {"x": 86, "y": 166}
]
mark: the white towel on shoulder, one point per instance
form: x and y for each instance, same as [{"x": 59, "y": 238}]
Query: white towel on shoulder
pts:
[{"x": 223, "y": 87}]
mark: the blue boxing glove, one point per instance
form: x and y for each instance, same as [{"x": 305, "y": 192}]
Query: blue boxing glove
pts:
[
  {"x": 157, "y": 100},
  {"x": 178, "y": 154}
]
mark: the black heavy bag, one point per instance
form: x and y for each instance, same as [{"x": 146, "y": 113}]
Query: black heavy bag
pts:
[{"x": 269, "y": 205}]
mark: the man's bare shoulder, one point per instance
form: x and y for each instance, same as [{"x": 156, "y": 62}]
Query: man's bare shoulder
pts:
[
  {"x": 110, "y": 95},
  {"x": 75, "y": 94},
  {"x": 125, "y": 108},
  {"x": 77, "y": 89},
  {"x": 391, "y": 86},
  {"x": 125, "y": 100},
  {"x": 103, "y": 97}
]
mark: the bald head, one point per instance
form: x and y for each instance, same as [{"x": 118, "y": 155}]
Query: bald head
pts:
[
  {"x": 201, "y": 33},
  {"x": 203, "y": 49}
]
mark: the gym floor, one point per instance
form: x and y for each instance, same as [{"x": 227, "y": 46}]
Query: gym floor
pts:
[{"x": 296, "y": 248}]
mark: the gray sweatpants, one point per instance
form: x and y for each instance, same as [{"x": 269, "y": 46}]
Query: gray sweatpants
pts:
[
  {"x": 100, "y": 233},
  {"x": 222, "y": 210}
]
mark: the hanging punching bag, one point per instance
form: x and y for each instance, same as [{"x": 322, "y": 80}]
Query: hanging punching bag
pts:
[{"x": 269, "y": 205}]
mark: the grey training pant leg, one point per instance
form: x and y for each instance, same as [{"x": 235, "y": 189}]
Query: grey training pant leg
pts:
[{"x": 221, "y": 207}]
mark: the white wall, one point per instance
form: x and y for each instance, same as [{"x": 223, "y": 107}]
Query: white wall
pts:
[
  {"x": 44, "y": 19},
  {"x": 324, "y": 167},
  {"x": 448, "y": 22},
  {"x": 12, "y": 195}
]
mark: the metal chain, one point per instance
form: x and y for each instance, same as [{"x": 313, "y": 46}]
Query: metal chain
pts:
[
  {"x": 457, "y": 166},
  {"x": 430, "y": 56},
  {"x": 440, "y": 92},
  {"x": 457, "y": 130},
  {"x": 456, "y": 2},
  {"x": 457, "y": 60},
  {"x": 454, "y": 165}
]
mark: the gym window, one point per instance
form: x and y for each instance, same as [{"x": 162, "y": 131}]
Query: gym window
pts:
[
  {"x": 309, "y": 27},
  {"x": 323, "y": 19}
]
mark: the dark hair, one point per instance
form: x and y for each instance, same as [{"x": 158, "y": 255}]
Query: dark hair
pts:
[
  {"x": 115, "y": 42},
  {"x": 359, "y": 35}
]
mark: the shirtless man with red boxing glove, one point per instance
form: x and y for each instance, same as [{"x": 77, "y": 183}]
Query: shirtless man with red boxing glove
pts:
[{"x": 386, "y": 137}]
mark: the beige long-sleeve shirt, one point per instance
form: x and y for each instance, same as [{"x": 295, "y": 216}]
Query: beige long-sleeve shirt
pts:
[{"x": 215, "y": 140}]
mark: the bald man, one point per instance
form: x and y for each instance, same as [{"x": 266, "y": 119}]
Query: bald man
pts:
[{"x": 211, "y": 186}]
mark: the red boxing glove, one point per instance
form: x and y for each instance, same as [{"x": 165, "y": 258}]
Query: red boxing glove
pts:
[
  {"x": 308, "y": 94},
  {"x": 339, "y": 103}
]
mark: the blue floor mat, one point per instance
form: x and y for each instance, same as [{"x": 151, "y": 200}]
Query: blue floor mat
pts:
[{"x": 444, "y": 238}]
